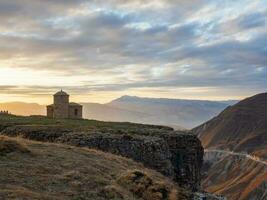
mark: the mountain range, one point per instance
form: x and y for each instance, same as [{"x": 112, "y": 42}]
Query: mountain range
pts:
[
  {"x": 234, "y": 135},
  {"x": 177, "y": 113}
]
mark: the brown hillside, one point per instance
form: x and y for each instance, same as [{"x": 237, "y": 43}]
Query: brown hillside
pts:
[
  {"x": 242, "y": 127},
  {"x": 237, "y": 179}
]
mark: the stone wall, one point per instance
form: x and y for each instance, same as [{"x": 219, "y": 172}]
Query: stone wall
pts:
[
  {"x": 61, "y": 107},
  {"x": 50, "y": 111},
  {"x": 75, "y": 111},
  {"x": 177, "y": 155}
]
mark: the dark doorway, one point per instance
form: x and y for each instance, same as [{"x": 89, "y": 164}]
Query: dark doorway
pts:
[{"x": 76, "y": 112}]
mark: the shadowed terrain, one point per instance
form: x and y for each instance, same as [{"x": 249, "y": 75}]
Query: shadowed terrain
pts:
[{"x": 34, "y": 170}]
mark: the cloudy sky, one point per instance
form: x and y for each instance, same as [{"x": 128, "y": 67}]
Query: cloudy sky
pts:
[{"x": 98, "y": 50}]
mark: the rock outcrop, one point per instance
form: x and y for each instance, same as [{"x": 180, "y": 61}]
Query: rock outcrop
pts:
[{"x": 177, "y": 155}]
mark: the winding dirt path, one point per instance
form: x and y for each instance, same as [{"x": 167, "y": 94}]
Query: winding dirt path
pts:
[{"x": 243, "y": 155}]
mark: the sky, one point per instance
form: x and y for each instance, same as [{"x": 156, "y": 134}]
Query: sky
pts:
[{"x": 98, "y": 50}]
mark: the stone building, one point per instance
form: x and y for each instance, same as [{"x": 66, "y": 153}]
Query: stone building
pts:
[
  {"x": 63, "y": 109},
  {"x": 4, "y": 112}
]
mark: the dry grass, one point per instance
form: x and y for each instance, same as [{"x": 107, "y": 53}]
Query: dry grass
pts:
[
  {"x": 61, "y": 172},
  {"x": 8, "y": 145}
]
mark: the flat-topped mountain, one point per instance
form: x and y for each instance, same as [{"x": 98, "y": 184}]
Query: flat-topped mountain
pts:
[{"x": 172, "y": 112}]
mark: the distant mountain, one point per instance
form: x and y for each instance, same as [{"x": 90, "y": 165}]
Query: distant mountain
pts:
[
  {"x": 25, "y": 109},
  {"x": 106, "y": 112},
  {"x": 171, "y": 112},
  {"x": 236, "y": 150}
]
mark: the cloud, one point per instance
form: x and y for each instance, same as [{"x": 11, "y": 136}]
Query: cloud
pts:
[
  {"x": 253, "y": 20},
  {"x": 121, "y": 45}
]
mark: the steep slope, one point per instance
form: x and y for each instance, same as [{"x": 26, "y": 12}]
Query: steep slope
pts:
[
  {"x": 235, "y": 177},
  {"x": 236, "y": 150},
  {"x": 242, "y": 127},
  {"x": 34, "y": 170}
]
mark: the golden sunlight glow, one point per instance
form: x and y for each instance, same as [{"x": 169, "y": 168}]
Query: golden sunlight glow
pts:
[{"x": 27, "y": 77}]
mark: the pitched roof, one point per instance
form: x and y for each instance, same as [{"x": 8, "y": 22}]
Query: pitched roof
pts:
[{"x": 74, "y": 104}]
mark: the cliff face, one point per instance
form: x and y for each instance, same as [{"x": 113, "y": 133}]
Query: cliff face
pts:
[
  {"x": 186, "y": 158},
  {"x": 177, "y": 155}
]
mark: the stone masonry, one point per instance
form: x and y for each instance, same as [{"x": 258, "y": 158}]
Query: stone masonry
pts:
[{"x": 63, "y": 109}]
